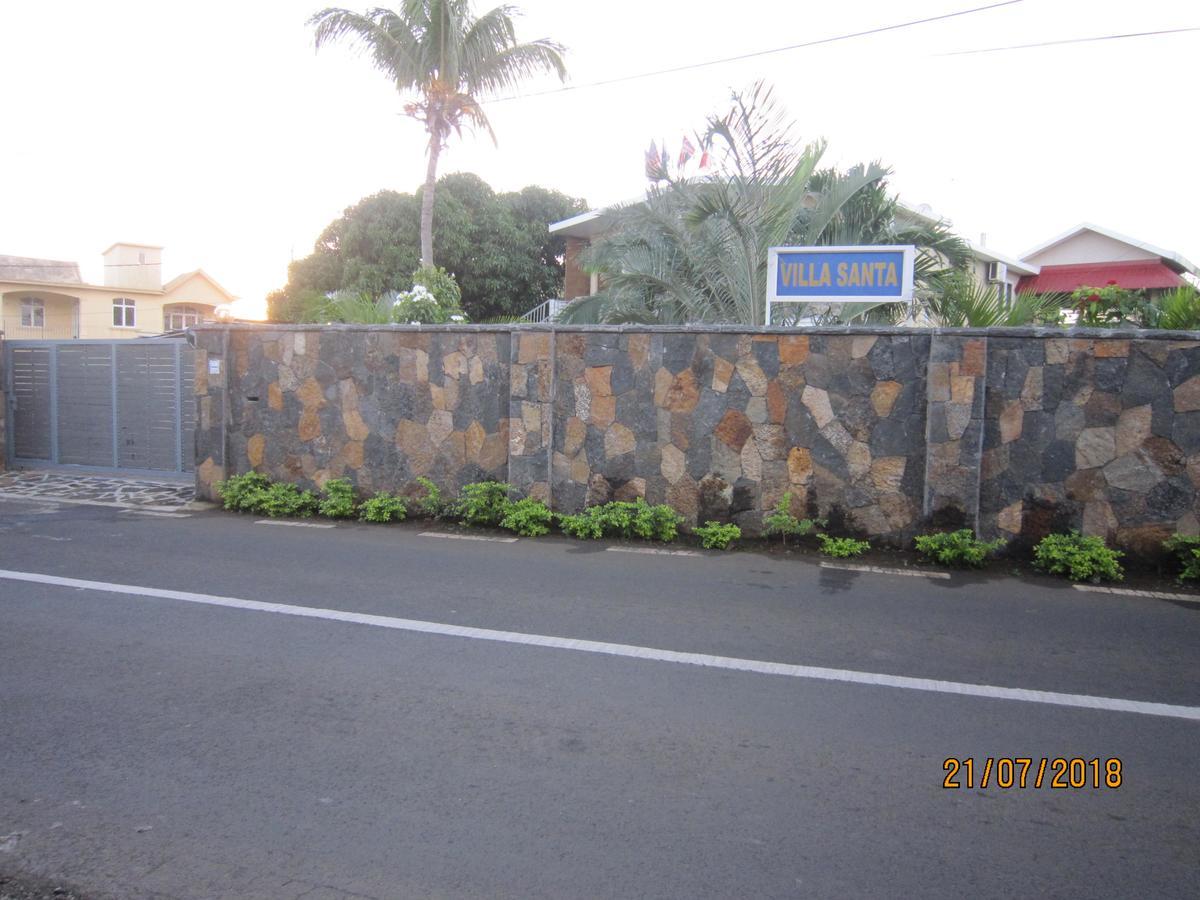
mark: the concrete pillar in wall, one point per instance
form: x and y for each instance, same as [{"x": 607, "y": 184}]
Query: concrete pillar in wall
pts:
[
  {"x": 576, "y": 282},
  {"x": 956, "y": 381}
]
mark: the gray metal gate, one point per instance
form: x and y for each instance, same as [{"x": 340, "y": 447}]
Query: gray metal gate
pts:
[{"x": 107, "y": 404}]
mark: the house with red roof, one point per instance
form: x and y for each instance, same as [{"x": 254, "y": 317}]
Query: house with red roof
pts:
[{"x": 1092, "y": 256}]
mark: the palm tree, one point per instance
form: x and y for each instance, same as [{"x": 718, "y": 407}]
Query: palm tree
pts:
[
  {"x": 439, "y": 51},
  {"x": 959, "y": 300},
  {"x": 695, "y": 250}
]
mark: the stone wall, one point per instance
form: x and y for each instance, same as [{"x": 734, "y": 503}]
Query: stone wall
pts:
[
  {"x": 1101, "y": 434},
  {"x": 888, "y": 431},
  {"x": 380, "y": 407},
  {"x": 720, "y": 425}
]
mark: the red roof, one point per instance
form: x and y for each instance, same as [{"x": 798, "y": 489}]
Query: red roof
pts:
[{"x": 1142, "y": 273}]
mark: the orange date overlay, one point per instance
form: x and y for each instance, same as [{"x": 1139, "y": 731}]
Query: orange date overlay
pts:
[{"x": 1059, "y": 773}]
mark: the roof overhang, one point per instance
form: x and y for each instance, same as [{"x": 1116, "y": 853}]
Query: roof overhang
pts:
[
  {"x": 1148, "y": 274},
  {"x": 585, "y": 225},
  {"x": 1018, "y": 266}
]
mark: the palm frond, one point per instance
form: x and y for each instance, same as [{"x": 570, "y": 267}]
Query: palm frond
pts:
[
  {"x": 506, "y": 68},
  {"x": 959, "y": 300},
  {"x": 1179, "y": 310}
]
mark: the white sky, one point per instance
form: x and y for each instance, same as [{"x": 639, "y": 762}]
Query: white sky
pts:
[{"x": 215, "y": 130}]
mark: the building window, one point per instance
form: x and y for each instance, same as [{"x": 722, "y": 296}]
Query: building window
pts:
[
  {"x": 176, "y": 318},
  {"x": 123, "y": 313},
  {"x": 33, "y": 313}
]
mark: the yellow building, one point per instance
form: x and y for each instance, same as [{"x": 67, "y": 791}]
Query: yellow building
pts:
[{"x": 46, "y": 298}]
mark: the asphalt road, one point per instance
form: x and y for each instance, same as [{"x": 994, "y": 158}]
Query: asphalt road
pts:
[{"x": 152, "y": 747}]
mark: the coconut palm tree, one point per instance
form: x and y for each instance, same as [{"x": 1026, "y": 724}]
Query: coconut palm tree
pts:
[
  {"x": 695, "y": 250},
  {"x": 438, "y": 51}
]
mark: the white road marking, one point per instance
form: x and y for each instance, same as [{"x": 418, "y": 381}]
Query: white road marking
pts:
[
  {"x": 157, "y": 515},
  {"x": 468, "y": 537},
  {"x": 761, "y": 667},
  {"x": 295, "y": 524},
  {"x": 1132, "y": 592},
  {"x": 654, "y": 551},
  {"x": 883, "y": 570}
]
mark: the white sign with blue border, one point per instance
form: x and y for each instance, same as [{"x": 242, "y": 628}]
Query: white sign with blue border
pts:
[{"x": 872, "y": 274}]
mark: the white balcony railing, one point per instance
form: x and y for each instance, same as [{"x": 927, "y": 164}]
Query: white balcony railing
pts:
[{"x": 546, "y": 312}]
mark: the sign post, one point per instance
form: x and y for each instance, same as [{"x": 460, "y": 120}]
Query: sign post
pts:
[{"x": 871, "y": 274}]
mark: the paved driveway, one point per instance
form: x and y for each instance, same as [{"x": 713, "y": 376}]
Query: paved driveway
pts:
[{"x": 72, "y": 486}]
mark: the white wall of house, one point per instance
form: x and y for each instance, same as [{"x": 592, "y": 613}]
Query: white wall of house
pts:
[{"x": 1088, "y": 247}]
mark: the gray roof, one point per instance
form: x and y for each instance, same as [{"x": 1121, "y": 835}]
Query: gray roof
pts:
[{"x": 26, "y": 268}]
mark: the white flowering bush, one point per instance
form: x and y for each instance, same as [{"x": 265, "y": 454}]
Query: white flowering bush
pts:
[{"x": 433, "y": 299}]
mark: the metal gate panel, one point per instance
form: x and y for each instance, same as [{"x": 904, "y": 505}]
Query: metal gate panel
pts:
[
  {"x": 30, "y": 402},
  {"x": 147, "y": 391},
  {"x": 107, "y": 404},
  {"x": 187, "y": 408},
  {"x": 84, "y": 404}
]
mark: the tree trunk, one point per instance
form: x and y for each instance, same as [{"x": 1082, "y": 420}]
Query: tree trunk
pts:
[{"x": 435, "y": 149}]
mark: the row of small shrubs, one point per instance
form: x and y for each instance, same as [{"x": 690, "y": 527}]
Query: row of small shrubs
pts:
[
  {"x": 1077, "y": 556},
  {"x": 484, "y": 504},
  {"x": 488, "y": 504}
]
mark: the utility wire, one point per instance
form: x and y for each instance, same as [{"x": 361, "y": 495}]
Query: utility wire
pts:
[
  {"x": 716, "y": 62},
  {"x": 1084, "y": 40}
]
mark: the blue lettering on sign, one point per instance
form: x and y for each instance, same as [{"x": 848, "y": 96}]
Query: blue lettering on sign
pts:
[{"x": 861, "y": 273}]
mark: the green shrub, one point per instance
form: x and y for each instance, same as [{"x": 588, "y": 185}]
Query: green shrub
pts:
[
  {"x": 432, "y": 505},
  {"x": 484, "y": 502},
  {"x": 637, "y": 518},
  {"x": 243, "y": 493},
  {"x": 783, "y": 523},
  {"x": 528, "y": 517},
  {"x": 383, "y": 507},
  {"x": 659, "y": 522},
  {"x": 616, "y": 518},
  {"x": 1187, "y": 548},
  {"x": 843, "y": 547},
  {"x": 1079, "y": 557},
  {"x": 715, "y": 536},
  {"x": 286, "y": 500},
  {"x": 585, "y": 525},
  {"x": 624, "y": 519},
  {"x": 338, "y": 502},
  {"x": 956, "y": 548}
]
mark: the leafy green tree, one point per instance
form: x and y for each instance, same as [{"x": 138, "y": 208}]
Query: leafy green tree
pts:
[
  {"x": 438, "y": 50},
  {"x": 497, "y": 247},
  {"x": 695, "y": 250}
]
